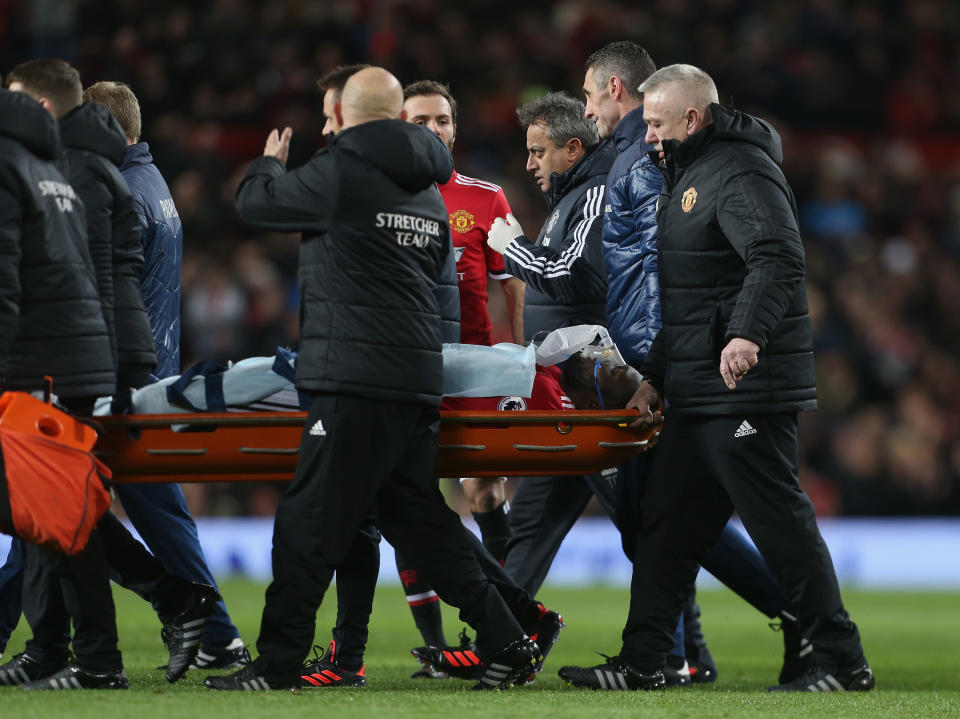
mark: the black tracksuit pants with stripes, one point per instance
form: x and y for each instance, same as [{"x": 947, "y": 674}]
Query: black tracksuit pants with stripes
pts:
[
  {"x": 706, "y": 467},
  {"x": 359, "y": 457}
]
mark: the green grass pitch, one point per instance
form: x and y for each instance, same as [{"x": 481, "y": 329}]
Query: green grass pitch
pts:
[{"x": 912, "y": 640}]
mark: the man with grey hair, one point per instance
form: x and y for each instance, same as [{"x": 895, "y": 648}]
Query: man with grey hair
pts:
[
  {"x": 733, "y": 362},
  {"x": 563, "y": 269},
  {"x": 613, "y": 75},
  {"x": 566, "y": 285}
]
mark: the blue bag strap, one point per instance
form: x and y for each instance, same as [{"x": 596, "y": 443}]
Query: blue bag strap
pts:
[
  {"x": 285, "y": 365},
  {"x": 213, "y": 387}
]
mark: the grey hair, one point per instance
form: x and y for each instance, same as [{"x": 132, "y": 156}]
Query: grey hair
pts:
[
  {"x": 700, "y": 89},
  {"x": 562, "y": 117}
]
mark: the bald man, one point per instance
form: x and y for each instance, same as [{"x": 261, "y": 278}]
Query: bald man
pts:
[{"x": 378, "y": 295}]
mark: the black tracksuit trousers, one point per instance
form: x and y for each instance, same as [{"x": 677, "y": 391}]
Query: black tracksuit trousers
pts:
[
  {"x": 705, "y": 468},
  {"x": 360, "y": 456},
  {"x": 58, "y": 588}
]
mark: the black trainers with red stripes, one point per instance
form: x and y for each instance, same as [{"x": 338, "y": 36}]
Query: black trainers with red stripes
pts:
[
  {"x": 323, "y": 670},
  {"x": 460, "y": 662}
]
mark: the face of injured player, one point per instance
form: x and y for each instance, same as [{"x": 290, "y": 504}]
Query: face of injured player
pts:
[{"x": 592, "y": 386}]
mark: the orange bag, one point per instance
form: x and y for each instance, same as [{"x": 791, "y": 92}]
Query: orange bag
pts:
[{"x": 52, "y": 489}]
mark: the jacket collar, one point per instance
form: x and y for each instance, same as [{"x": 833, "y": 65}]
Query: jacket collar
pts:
[
  {"x": 679, "y": 155},
  {"x": 630, "y": 129},
  {"x": 597, "y": 161}
]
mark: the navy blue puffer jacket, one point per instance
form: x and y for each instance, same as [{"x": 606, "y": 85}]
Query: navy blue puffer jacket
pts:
[
  {"x": 630, "y": 241},
  {"x": 162, "y": 240}
]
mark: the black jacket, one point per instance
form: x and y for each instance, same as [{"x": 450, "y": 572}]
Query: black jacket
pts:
[
  {"x": 731, "y": 265},
  {"x": 377, "y": 273},
  {"x": 94, "y": 146},
  {"x": 564, "y": 271},
  {"x": 50, "y": 317}
]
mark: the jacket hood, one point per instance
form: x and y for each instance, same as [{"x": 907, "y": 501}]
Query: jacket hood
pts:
[
  {"x": 91, "y": 127},
  {"x": 136, "y": 154},
  {"x": 597, "y": 161},
  {"x": 25, "y": 120},
  {"x": 741, "y": 127},
  {"x": 408, "y": 154}
]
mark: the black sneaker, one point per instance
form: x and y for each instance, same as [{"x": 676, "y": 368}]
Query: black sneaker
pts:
[
  {"x": 183, "y": 633},
  {"x": 452, "y": 661},
  {"x": 460, "y": 662},
  {"x": 545, "y": 632},
  {"x": 248, "y": 679},
  {"x": 74, "y": 676},
  {"x": 676, "y": 672},
  {"x": 613, "y": 674},
  {"x": 323, "y": 670},
  {"x": 511, "y": 664},
  {"x": 426, "y": 671},
  {"x": 797, "y": 652},
  {"x": 703, "y": 673},
  {"x": 229, "y": 656},
  {"x": 22, "y": 669},
  {"x": 859, "y": 680}
]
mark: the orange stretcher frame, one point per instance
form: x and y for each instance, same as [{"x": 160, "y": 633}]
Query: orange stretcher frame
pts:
[{"x": 258, "y": 446}]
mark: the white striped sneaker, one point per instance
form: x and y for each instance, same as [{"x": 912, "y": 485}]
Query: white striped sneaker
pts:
[
  {"x": 248, "y": 679},
  {"x": 512, "y": 663},
  {"x": 184, "y": 632},
  {"x": 76, "y": 677},
  {"x": 859, "y": 680},
  {"x": 613, "y": 674}
]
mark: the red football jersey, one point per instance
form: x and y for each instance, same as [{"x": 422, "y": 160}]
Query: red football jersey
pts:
[
  {"x": 546, "y": 395},
  {"x": 473, "y": 205}
]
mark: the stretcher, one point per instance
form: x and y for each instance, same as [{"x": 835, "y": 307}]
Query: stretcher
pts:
[{"x": 257, "y": 446}]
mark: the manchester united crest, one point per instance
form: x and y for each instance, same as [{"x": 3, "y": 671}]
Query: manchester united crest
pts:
[
  {"x": 689, "y": 199},
  {"x": 461, "y": 221}
]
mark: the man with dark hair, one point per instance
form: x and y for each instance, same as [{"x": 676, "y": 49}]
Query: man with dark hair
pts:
[
  {"x": 331, "y": 85},
  {"x": 47, "y": 282},
  {"x": 373, "y": 415},
  {"x": 736, "y": 337},
  {"x": 472, "y": 205},
  {"x": 159, "y": 511}
]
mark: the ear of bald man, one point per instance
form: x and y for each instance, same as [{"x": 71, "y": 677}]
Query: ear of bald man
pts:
[{"x": 278, "y": 144}]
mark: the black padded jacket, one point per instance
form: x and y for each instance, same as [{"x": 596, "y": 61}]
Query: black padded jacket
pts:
[
  {"x": 731, "y": 265},
  {"x": 51, "y": 323},
  {"x": 377, "y": 276},
  {"x": 94, "y": 147}
]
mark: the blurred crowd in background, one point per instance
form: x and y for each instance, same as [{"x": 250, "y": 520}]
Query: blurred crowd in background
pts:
[{"x": 866, "y": 95}]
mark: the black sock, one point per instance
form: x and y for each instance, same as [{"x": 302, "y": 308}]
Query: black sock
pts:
[
  {"x": 424, "y": 603},
  {"x": 430, "y": 623},
  {"x": 495, "y": 530}
]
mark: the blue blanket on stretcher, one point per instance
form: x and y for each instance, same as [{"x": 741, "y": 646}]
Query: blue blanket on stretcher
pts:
[{"x": 266, "y": 383}]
